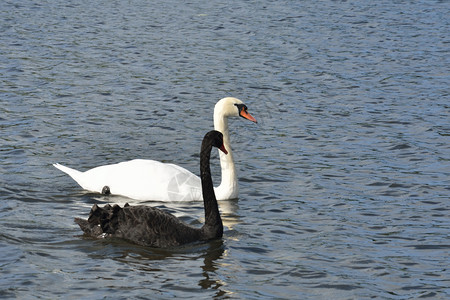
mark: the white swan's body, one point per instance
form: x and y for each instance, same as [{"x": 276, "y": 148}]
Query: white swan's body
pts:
[
  {"x": 140, "y": 179},
  {"x": 152, "y": 180}
]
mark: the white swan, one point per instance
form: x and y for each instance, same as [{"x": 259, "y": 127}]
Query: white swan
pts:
[{"x": 153, "y": 180}]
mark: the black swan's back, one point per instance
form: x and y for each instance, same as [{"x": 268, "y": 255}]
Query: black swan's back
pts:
[
  {"x": 149, "y": 226},
  {"x": 142, "y": 225}
]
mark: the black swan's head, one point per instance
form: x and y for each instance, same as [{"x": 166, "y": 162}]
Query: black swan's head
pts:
[{"x": 216, "y": 139}]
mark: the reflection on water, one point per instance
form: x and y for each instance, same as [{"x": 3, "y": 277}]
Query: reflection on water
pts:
[{"x": 208, "y": 253}]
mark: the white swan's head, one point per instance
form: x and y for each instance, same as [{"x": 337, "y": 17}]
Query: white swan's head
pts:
[{"x": 232, "y": 107}]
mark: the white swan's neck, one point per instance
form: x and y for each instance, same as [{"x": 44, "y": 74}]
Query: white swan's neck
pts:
[{"x": 228, "y": 188}]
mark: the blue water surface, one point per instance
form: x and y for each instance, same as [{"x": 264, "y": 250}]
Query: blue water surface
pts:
[{"x": 344, "y": 181}]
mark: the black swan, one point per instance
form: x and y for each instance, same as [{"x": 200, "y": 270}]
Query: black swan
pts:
[{"x": 149, "y": 226}]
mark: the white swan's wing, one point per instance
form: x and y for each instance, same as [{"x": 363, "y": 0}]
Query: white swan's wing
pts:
[{"x": 140, "y": 179}]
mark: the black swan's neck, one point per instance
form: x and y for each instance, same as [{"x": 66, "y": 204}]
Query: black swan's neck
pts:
[{"x": 213, "y": 222}]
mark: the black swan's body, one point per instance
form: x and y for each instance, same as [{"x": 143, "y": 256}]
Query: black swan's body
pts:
[{"x": 149, "y": 226}]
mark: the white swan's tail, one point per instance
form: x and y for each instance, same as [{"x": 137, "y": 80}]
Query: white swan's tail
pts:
[{"x": 75, "y": 174}]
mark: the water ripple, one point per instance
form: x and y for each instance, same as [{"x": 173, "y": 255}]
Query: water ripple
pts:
[{"x": 344, "y": 181}]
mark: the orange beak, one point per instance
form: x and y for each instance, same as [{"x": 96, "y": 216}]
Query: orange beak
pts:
[
  {"x": 222, "y": 148},
  {"x": 246, "y": 115}
]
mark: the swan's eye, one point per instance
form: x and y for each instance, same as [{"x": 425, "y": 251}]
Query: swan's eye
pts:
[{"x": 241, "y": 107}]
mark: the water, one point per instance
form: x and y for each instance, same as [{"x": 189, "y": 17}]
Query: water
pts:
[{"x": 344, "y": 181}]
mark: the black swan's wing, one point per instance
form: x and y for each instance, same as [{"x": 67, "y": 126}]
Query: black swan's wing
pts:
[{"x": 143, "y": 225}]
